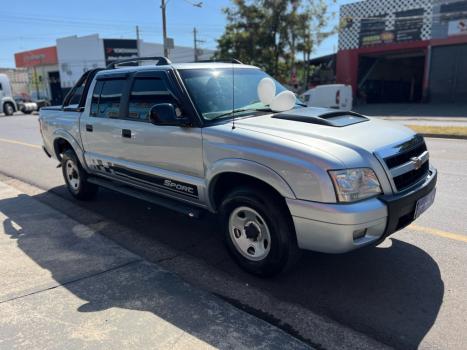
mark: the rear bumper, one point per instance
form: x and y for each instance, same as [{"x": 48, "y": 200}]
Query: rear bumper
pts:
[{"x": 330, "y": 228}]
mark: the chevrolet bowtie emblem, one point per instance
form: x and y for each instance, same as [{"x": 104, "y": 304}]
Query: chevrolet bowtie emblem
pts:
[{"x": 418, "y": 162}]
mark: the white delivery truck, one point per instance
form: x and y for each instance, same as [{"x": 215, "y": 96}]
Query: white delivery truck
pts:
[
  {"x": 336, "y": 96},
  {"x": 10, "y": 104},
  {"x": 7, "y": 103}
]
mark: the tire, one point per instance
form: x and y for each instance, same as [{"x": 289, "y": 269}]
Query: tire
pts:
[
  {"x": 8, "y": 108},
  {"x": 76, "y": 177},
  {"x": 266, "y": 244}
]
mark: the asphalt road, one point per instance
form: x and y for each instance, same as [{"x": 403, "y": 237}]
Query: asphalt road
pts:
[{"x": 409, "y": 292}]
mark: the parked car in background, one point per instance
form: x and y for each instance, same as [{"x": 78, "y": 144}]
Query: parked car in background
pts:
[
  {"x": 7, "y": 102},
  {"x": 336, "y": 96}
]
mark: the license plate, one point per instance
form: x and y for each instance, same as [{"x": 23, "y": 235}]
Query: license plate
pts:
[{"x": 424, "y": 203}]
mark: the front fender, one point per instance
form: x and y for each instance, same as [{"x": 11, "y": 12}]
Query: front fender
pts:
[
  {"x": 63, "y": 134},
  {"x": 250, "y": 168}
]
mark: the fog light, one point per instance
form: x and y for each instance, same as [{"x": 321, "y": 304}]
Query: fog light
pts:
[{"x": 357, "y": 234}]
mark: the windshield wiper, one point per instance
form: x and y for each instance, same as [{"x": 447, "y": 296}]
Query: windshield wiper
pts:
[{"x": 238, "y": 110}]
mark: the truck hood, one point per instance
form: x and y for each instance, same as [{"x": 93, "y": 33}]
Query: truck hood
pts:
[{"x": 347, "y": 129}]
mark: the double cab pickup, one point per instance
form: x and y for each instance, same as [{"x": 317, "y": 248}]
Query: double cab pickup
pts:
[{"x": 229, "y": 139}]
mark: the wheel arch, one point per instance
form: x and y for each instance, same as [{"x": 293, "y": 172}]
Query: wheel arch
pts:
[
  {"x": 62, "y": 141},
  {"x": 230, "y": 173}
]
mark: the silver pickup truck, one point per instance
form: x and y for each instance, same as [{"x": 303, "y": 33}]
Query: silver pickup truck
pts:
[{"x": 207, "y": 136}]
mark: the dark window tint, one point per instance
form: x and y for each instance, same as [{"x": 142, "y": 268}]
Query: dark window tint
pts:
[
  {"x": 76, "y": 97},
  {"x": 95, "y": 97},
  {"x": 109, "y": 101},
  {"x": 146, "y": 93},
  {"x": 1, "y": 87}
]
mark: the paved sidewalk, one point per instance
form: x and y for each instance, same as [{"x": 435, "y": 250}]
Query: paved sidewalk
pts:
[{"x": 64, "y": 286}]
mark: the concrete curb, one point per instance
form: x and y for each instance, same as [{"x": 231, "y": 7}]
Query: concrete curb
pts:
[{"x": 446, "y": 136}]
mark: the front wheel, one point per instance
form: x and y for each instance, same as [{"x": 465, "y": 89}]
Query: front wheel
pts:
[
  {"x": 8, "y": 109},
  {"x": 76, "y": 177},
  {"x": 258, "y": 231}
]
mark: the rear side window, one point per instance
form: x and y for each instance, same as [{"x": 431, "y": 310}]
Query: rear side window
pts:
[
  {"x": 145, "y": 93},
  {"x": 106, "y": 98},
  {"x": 95, "y": 98},
  {"x": 75, "y": 99}
]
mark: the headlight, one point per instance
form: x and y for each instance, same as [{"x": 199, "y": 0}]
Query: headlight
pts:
[{"x": 355, "y": 184}]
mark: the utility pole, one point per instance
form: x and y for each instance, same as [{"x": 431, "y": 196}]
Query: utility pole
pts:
[
  {"x": 164, "y": 28},
  {"x": 195, "y": 43},
  {"x": 137, "y": 41},
  {"x": 164, "y": 23},
  {"x": 36, "y": 81}
]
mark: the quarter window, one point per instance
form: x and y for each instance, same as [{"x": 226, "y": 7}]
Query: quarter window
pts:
[
  {"x": 95, "y": 98},
  {"x": 75, "y": 99},
  {"x": 145, "y": 93}
]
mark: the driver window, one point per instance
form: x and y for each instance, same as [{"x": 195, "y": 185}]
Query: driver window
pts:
[{"x": 145, "y": 93}]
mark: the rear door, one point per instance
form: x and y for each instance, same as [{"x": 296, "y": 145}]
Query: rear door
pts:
[{"x": 101, "y": 128}]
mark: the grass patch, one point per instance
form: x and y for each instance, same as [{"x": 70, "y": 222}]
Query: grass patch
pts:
[{"x": 440, "y": 130}]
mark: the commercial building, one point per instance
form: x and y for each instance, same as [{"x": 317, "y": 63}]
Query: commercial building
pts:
[
  {"x": 54, "y": 70},
  {"x": 404, "y": 50}
]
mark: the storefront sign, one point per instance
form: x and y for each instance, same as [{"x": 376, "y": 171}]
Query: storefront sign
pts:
[
  {"x": 373, "y": 31},
  {"x": 118, "y": 49},
  {"x": 457, "y": 27},
  {"x": 409, "y": 25},
  {"x": 39, "y": 57}
]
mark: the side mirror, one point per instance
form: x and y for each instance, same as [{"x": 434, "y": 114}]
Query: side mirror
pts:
[{"x": 165, "y": 114}]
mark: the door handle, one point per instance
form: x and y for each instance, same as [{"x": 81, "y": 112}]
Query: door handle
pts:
[
  {"x": 126, "y": 133},
  {"x": 89, "y": 127}
]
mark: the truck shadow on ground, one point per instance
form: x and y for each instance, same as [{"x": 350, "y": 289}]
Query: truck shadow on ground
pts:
[
  {"x": 104, "y": 278},
  {"x": 392, "y": 292}
]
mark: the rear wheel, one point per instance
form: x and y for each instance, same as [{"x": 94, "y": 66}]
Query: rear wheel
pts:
[
  {"x": 76, "y": 177},
  {"x": 258, "y": 231},
  {"x": 8, "y": 108}
]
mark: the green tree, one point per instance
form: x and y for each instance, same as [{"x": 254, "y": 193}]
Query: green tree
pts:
[{"x": 272, "y": 33}]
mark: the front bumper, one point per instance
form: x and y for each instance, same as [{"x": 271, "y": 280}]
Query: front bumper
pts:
[{"x": 330, "y": 228}]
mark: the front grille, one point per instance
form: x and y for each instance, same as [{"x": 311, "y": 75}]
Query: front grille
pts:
[
  {"x": 406, "y": 180},
  {"x": 403, "y": 154}
]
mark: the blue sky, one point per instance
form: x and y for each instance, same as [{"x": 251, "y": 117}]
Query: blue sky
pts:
[{"x": 31, "y": 24}]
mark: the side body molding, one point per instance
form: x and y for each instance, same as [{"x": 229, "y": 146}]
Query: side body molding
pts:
[{"x": 245, "y": 167}]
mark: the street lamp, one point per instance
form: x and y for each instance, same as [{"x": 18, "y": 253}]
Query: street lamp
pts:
[{"x": 164, "y": 21}]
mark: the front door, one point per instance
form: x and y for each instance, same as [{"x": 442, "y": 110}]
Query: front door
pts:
[{"x": 121, "y": 143}]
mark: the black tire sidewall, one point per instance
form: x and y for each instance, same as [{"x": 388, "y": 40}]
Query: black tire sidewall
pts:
[
  {"x": 6, "y": 108},
  {"x": 278, "y": 225},
  {"x": 85, "y": 190}
]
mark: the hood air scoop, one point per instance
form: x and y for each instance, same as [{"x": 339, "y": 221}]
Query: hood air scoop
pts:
[{"x": 322, "y": 117}]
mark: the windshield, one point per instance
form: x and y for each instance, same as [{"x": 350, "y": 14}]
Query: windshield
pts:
[{"x": 215, "y": 96}]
